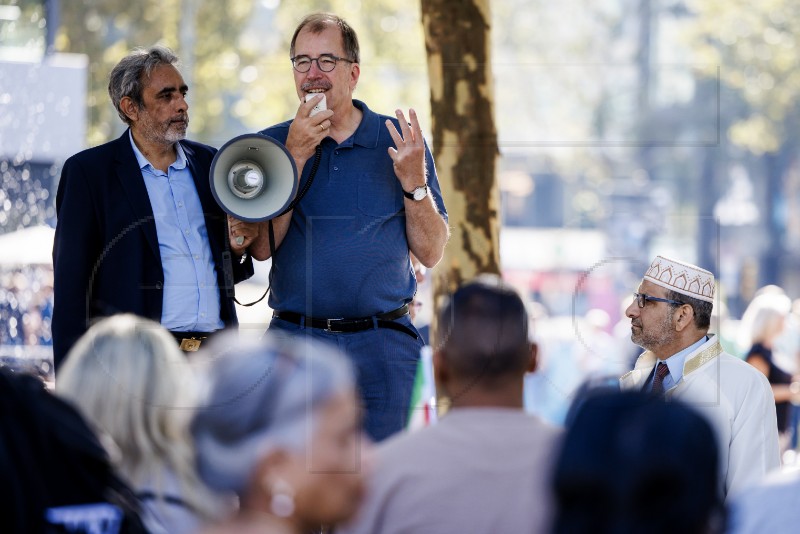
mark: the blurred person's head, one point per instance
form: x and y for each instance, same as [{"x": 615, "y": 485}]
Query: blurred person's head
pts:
[
  {"x": 486, "y": 349},
  {"x": 672, "y": 306},
  {"x": 130, "y": 380},
  {"x": 281, "y": 429},
  {"x": 765, "y": 318},
  {"x": 56, "y": 475},
  {"x": 594, "y": 386},
  {"x": 630, "y": 463}
]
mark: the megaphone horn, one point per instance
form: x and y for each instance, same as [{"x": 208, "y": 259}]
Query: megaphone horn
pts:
[{"x": 253, "y": 177}]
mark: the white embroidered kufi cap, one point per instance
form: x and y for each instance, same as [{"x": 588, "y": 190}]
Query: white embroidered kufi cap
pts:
[{"x": 684, "y": 278}]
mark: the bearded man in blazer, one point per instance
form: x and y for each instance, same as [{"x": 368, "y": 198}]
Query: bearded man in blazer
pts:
[{"x": 138, "y": 229}]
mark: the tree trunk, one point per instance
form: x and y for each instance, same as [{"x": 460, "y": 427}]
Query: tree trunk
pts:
[{"x": 458, "y": 44}]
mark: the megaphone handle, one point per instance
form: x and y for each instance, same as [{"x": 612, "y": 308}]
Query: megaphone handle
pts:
[{"x": 271, "y": 233}]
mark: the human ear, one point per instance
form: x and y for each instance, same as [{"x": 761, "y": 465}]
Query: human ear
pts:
[
  {"x": 533, "y": 363},
  {"x": 685, "y": 317},
  {"x": 129, "y": 108}
]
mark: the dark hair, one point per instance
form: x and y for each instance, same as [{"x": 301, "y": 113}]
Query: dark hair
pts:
[
  {"x": 127, "y": 77},
  {"x": 630, "y": 463},
  {"x": 592, "y": 387},
  {"x": 54, "y": 470},
  {"x": 318, "y": 22},
  {"x": 485, "y": 331},
  {"x": 702, "y": 309}
]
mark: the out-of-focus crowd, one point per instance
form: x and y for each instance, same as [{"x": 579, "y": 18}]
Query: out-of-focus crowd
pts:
[
  {"x": 26, "y": 310},
  {"x": 265, "y": 436}
]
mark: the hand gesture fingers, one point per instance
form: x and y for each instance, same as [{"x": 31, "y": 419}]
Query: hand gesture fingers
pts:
[{"x": 409, "y": 154}]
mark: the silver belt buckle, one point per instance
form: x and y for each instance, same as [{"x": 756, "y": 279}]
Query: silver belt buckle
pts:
[
  {"x": 190, "y": 344},
  {"x": 328, "y": 327}
]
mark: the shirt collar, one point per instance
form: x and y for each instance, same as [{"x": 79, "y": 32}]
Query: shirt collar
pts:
[
  {"x": 676, "y": 361},
  {"x": 178, "y": 164}
]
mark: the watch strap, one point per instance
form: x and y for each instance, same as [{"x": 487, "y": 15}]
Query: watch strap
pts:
[{"x": 410, "y": 195}]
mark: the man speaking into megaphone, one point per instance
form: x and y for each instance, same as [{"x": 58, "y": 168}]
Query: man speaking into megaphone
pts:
[
  {"x": 341, "y": 268},
  {"x": 138, "y": 230}
]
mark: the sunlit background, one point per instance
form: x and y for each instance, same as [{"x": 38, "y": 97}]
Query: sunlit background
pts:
[{"x": 627, "y": 128}]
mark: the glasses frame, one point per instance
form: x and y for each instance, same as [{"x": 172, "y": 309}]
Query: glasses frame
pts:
[
  {"x": 642, "y": 298},
  {"x": 336, "y": 60}
]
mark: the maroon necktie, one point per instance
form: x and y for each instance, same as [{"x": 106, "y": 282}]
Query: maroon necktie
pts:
[{"x": 658, "y": 381}]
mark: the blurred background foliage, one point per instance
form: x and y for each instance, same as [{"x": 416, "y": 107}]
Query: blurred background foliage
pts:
[
  {"x": 659, "y": 123},
  {"x": 235, "y": 57}
]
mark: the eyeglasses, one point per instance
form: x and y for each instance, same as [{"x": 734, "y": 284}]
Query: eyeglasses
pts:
[
  {"x": 325, "y": 62},
  {"x": 641, "y": 299}
]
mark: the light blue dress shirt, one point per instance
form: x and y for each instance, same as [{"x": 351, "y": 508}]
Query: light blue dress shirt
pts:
[
  {"x": 675, "y": 364},
  {"x": 191, "y": 296}
]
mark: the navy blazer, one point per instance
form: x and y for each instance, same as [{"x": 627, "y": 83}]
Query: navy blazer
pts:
[{"x": 106, "y": 256}]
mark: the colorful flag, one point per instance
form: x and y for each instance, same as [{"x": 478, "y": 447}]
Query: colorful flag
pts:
[{"x": 422, "y": 411}]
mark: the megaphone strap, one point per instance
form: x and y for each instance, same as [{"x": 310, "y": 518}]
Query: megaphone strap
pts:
[
  {"x": 306, "y": 187},
  {"x": 271, "y": 230}
]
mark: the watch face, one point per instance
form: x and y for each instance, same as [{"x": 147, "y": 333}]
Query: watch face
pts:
[{"x": 420, "y": 192}]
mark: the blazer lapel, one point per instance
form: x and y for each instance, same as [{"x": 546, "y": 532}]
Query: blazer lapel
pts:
[{"x": 130, "y": 176}]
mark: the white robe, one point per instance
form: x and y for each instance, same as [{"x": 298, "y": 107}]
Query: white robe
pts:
[{"x": 738, "y": 402}]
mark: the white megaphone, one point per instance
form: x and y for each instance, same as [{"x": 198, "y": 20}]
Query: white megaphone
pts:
[{"x": 253, "y": 178}]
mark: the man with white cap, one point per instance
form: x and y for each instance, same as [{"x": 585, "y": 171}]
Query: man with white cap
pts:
[{"x": 670, "y": 316}]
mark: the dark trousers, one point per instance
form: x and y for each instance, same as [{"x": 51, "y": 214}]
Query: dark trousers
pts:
[{"x": 386, "y": 364}]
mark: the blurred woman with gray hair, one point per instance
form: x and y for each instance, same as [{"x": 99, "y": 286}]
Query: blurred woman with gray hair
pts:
[
  {"x": 281, "y": 429},
  {"x": 132, "y": 383}
]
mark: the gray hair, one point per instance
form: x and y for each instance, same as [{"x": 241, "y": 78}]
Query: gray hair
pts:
[
  {"x": 132, "y": 383},
  {"x": 263, "y": 397},
  {"x": 127, "y": 78}
]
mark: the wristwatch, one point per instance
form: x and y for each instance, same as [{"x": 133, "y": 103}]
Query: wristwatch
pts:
[{"x": 418, "y": 193}]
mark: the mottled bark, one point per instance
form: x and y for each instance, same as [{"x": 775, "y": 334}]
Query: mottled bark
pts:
[{"x": 458, "y": 44}]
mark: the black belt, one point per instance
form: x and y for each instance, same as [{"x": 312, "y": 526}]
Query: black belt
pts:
[
  {"x": 190, "y": 341},
  {"x": 382, "y": 320}
]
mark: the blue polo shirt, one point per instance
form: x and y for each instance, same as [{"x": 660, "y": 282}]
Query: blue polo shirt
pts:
[{"x": 346, "y": 252}]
